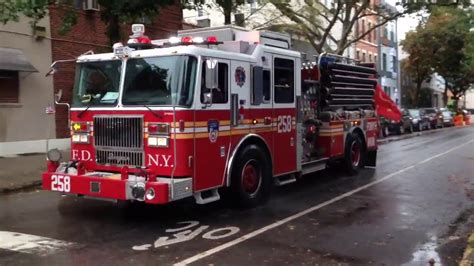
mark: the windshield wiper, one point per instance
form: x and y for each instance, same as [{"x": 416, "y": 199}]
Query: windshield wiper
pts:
[
  {"x": 153, "y": 112},
  {"x": 83, "y": 111}
]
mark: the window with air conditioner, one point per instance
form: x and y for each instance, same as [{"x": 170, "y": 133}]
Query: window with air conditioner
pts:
[{"x": 90, "y": 5}]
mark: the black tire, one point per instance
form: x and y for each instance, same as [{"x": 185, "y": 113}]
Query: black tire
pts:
[
  {"x": 385, "y": 131},
  {"x": 354, "y": 158},
  {"x": 400, "y": 129},
  {"x": 245, "y": 191}
]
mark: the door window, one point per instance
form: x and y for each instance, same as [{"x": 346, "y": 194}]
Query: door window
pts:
[
  {"x": 221, "y": 93},
  {"x": 284, "y": 80}
]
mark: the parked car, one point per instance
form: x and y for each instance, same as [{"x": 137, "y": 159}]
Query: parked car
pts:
[
  {"x": 448, "y": 119},
  {"x": 434, "y": 116},
  {"x": 418, "y": 119},
  {"x": 395, "y": 127}
]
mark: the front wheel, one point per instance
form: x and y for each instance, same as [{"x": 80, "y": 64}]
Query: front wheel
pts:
[{"x": 251, "y": 177}]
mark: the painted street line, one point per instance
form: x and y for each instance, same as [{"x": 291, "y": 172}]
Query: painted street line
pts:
[
  {"x": 262, "y": 230},
  {"x": 31, "y": 244},
  {"x": 185, "y": 233}
]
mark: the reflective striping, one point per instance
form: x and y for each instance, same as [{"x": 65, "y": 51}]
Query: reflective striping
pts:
[{"x": 31, "y": 244}]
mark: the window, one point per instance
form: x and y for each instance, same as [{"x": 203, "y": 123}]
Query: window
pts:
[
  {"x": 9, "y": 86},
  {"x": 375, "y": 59},
  {"x": 384, "y": 62},
  {"x": 394, "y": 64},
  {"x": 221, "y": 93},
  {"x": 387, "y": 90},
  {"x": 385, "y": 31},
  {"x": 370, "y": 57},
  {"x": 363, "y": 28},
  {"x": 162, "y": 80},
  {"x": 358, "y": 55},
  {"x": 266, "y": 86},
  {"x": 369, "y": 36},
  {"x": 284, "y": 80},
  {"x": 363, "y": 57}
]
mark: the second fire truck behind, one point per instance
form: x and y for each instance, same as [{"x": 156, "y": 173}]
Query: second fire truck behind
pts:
[{"x": 216, "y": 108}]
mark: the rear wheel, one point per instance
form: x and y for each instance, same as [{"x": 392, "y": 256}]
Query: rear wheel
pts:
[
  {"x": 354, "y": 154},
  {"x": 251, "y": 177}
]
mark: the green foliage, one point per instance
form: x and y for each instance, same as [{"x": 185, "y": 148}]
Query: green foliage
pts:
[
  {"x": 443, "y": 44},
  {"x": 113, "y": 12}
]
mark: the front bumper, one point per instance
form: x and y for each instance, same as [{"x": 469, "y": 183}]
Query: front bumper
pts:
[{"x": 103, "y": 187}]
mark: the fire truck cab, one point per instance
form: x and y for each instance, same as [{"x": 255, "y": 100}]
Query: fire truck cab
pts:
[{"x": 216, "y": 108}]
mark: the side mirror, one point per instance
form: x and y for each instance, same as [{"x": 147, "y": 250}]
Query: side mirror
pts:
[
  {"x": 52, "y": 71},
  {"x": 58, "y": 96},
  {"x": 211, "y": 73}
]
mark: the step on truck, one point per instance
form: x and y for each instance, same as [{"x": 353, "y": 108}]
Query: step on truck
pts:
[{"x": 211, "y": 109}]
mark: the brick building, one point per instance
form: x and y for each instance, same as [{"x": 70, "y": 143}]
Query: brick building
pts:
[
  {"x": 25, "y": 92},
  {"x": 89, "y": 34}
]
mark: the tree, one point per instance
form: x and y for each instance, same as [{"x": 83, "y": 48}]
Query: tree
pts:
[
  {"x": 227, "y": 6},
  {"x": 419, "y": 64},
  {"x": 454, "y": 58},
  {"x": 114, "y": 13},
  {"x": 316, "y": 22}
]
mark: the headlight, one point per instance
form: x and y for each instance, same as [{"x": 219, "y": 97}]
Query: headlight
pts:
[
  {"x": 156, "y": 141},
  {"x": 150, "y": 194},
  {"x": 415, "y": 120},
  {"x": 80, "y": 138},
  {"x": 54, "y": 155}
]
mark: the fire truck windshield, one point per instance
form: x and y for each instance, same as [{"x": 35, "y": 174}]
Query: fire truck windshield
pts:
[
  {"x": 97, "y": 83},
  {"x": 164, "y": 80}
]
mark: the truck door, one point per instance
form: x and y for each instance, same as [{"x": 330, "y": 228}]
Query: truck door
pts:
[
  {"x": 284, "y": 114},
  {"x": 212, "y": 128}
]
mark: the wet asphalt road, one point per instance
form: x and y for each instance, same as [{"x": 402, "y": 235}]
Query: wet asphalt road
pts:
[{"x": 417, "y": 205}]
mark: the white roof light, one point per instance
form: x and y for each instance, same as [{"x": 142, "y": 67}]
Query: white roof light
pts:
[
  {"x": 198, "y": 39},
  {"x": 174, "y": 40}
]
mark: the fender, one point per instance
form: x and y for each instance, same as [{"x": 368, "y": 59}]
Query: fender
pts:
[{"x": 237, "y": 148}]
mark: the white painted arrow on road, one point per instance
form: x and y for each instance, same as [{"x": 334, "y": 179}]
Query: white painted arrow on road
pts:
[{"x": 31, "y": 244}]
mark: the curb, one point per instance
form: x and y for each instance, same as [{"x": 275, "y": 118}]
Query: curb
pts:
[
  {"x": 468, "y": 258},
  {"x": 33, "y": 184},
  {"x": 412, "y": 135}
]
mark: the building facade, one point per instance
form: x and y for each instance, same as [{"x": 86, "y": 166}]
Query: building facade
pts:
[
  {"x": 25, "y": 92},
  {"x": 388, "y": 60},
  {"x": 25, "y": 58}
]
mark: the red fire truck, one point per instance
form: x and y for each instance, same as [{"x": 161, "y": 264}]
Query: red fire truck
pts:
[{"x": 211, "y": 109}]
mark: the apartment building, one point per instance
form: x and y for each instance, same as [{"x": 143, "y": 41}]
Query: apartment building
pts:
[{"x": 25, "y": 57}]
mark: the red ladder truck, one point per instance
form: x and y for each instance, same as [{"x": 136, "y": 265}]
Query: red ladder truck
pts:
[{"x": 216, "y": 108}]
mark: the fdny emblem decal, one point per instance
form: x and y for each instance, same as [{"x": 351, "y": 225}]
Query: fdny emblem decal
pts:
[
  {"x": 213, "y": 129},
  {"x": 240, "y": 76}
]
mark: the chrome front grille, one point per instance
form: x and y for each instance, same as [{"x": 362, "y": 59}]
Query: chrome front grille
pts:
[
  {"x": 118, "y": 140},
  {"x": 110, "y": 157}
]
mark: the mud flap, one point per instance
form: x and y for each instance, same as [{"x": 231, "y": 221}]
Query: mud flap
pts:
[{"x": 371, "y": 158}]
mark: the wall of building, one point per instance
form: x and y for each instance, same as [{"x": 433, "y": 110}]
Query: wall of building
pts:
[
  {"x": 89, "y": 34},
  {"x": 27, "y": 119}
]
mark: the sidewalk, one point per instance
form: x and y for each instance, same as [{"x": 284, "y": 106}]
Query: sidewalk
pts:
[{"x": 23, "y": 171}]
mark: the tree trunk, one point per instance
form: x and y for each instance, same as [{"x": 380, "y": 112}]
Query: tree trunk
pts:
[
  {"x": 417, "y": 93},
  {"x": 445, "y": 93},
  {"x": 227, "y": 16},
  {"x": 113, "y": 29}
]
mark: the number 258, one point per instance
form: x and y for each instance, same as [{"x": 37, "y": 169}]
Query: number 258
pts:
[{"x": 284, "y": 123}]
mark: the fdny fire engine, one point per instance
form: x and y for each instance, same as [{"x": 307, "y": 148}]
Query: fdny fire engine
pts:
[{"x": 209, "y": 110}]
